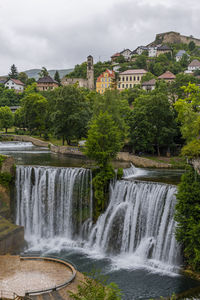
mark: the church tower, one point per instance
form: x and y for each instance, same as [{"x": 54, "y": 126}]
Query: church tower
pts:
[{"x": 90, "y": 72}]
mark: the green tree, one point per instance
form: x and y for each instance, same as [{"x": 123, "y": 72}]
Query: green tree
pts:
[
  {"x": 34, "y": 110},
  {"x": 96, "y": 288},
  {"x": 57, "y": 78},
  {"x": 188, "y": 217},
  {"x": 13, "y": 72},
  {"x": 43, "y": 72},
  {"x": 23, "y": 77},
  {"x": 104, "y": 139},
  {"x": 152, "y": 123},
  {"x": 188, "y": 110},
  {"x": 6, "y": 118},
  {"x": 148, "y": 76},
  {"x": 103, "y": 143},
  {"x": 70, "y": 113},
  {"x": 140, "y": 62},
  {"x": 191, "y": 46}
]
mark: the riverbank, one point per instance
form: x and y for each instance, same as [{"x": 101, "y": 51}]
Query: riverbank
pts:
[{"x": 138, "y": 161}]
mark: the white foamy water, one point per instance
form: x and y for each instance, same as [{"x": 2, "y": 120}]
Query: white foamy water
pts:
[
  {"x": 136, "y": 231},
  {"x": 15, "y": 145},
  {"x": 133, "y": 172}
]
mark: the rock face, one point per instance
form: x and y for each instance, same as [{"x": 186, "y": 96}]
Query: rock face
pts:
[
  {"x": 173, "y": 37},
  {"x": 11, "y": 236}
]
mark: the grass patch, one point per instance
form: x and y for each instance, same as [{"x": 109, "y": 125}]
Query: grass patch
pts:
[{"x": 177, "y": 162}]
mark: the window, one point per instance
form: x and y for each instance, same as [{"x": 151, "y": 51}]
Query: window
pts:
[
  {"x": 102, "y": 85},
  {"x": 122, "y": 85},
  {"x": 109, "y": 79},
  {"x": 119, "y": 86},
  {"x": 130, "y": 85},
  {"x": 138, "y": 78},
  {"x": 126, "y": 78},
  {"x": 102, "y": 79},
  {"x": 105, "y": 79},
  {"x": 130, "y": 78},
  {"x": 98, "y": 91},
  {"x": 134, "y": 78},
  {"x": 105, "y": 85},
  {"x": 102, "y": 91},
  {"x": 127, "y": 86},
  {"x": 122, "y": 78}
]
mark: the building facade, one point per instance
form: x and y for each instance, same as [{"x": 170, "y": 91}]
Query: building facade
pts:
[
  {"x": 14, "y": 84},
  {"x": 105, "y": 81},
  {"x": 128, "y": 79},
  {"x": 46, "y": 83}
]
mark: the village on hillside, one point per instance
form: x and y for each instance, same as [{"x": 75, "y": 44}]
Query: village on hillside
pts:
[{"x": 170, "y": 54}]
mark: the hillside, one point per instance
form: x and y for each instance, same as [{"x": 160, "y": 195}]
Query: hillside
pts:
[{"x": 33, "y": 73}]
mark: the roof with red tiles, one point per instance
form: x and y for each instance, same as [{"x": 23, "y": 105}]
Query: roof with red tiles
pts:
[
  {"x": 116, "y": 55},
  {"x": 110, "y": 74},
  {"x": 194, "y": 63},
  {"x": 150, "y": 82},
  {"x": 167, "y": 75},
  {"x": 16, "y": 81}
]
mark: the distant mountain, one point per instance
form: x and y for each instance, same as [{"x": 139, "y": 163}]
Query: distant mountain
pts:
[{"x": 33, "y": 73}]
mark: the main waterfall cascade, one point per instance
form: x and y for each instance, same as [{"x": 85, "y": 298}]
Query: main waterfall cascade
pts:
[{"x": 137, "y": 226}]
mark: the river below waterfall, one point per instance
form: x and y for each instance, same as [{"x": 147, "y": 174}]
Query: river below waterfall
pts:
[{"x": 132, "y": 243}]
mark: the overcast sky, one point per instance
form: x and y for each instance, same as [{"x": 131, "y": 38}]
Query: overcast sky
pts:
[{"x": 58, "y": 34}]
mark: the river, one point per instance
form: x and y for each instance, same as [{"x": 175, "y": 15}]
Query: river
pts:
[{"x": 141, "y": 257}]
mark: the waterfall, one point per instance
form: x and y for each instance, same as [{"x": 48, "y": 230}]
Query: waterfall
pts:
[
  {"x": 52, "y": 201},
  {"x": 138, "y": 225}
]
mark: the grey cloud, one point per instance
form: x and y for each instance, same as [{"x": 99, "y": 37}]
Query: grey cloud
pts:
[{"x": 64, "y": 42}]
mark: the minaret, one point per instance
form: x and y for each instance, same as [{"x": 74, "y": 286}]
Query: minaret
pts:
[{"x": 90, "y": 72}]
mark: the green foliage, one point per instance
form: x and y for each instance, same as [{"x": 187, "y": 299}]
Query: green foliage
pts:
[
  {"x": 120, "y": 59},
  {"x": 6, "y": 117},
  {"x": 13, "y": 72},
  {"x": 80, "y": 71},
  {"x": 57, "y": 78},
  {"x": 32, "y": 112},
  {"x": 152, "y": 123},
  {"x": 104, "y": 139},
  {"x": 96, "y": 288},
  {"x": 8, "y": 97},
  {"x": 2, "y": 158},
  {"x": 191, "y": 46},
  {"x": 131, "y": 94},
  {"x": 188, "y": 217},
  {"x": 70, "y": 112},
  {"x": 119, "y": 173},
  {"x": 5, "y": 179},
  {"x": 43, "y": 72},
  {"x": 148, "y": 76},
  {"x": 188, "y": 110},
  {"x": 192, "y": 149},
  {"x": 23, "y": 77}
]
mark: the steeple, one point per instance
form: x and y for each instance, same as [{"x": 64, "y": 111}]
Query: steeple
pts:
[{"x": 90, "y": 72}]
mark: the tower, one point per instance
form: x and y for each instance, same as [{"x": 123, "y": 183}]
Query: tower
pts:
[{"x": 90, "y": 72}]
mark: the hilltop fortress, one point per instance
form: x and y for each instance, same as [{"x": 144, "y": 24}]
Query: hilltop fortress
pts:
[{"x": 173, "y": 37}]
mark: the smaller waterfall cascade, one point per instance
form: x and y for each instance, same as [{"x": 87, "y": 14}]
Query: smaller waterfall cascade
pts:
[
  {"x": 139, "y": 222},
  {"x": 132, "y": 172},
  {"x": 52, "y": 201}
]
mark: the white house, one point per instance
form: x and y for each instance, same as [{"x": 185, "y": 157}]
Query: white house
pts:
[
  {"x": 180, "y": 54},
  {"x": 152, "y": 51},
  {"x": 126, "y": 53},
  {"x": 14, "y": 84},
  {"x": 193, "y": 66}
]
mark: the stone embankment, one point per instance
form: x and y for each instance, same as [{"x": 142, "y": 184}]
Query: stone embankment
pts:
[{"x": 74, "y": 151}]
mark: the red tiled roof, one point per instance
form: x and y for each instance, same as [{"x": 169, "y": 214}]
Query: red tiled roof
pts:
[
  {"x": 16, "y": 81},
  {"x": 110, "y": 73},
  {"x": 115, "y": 55},
  {"x": 194, "y": 63},
  {"x": 135, "y": 71},
  {"x": 167, "y": 75}
]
